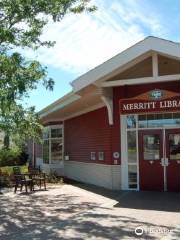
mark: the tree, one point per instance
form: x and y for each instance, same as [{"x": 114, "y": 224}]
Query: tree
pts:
[{"x": 21, "y": 26}]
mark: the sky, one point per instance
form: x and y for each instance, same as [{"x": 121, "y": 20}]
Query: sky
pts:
[{"x": 86, "y": 40}]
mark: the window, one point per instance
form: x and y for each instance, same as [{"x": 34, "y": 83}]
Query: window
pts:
[
  {"x": 151, "y": 147},
  {"x": 174, "y": 146},
  {"x": 93, "y": 155},
  {"x": 56, "y": 150},
  {"x": 131, "y": 121},
  {"x": 101, "y": 156},
  {"x": 132, "y": 176},
  {"x": 53, "y": 144},
  {"x": 131, "y": 134},
  {"x": 46, "y": 151},
  {"x": 131, "y": 146},
  {"x": 158, "y": 120}
]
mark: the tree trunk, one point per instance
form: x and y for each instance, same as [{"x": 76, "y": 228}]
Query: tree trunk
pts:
[{"x": 6, "y": 141}]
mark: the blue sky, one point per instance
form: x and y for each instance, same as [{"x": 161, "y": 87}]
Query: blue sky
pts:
[{"x": 87, "y": 40}]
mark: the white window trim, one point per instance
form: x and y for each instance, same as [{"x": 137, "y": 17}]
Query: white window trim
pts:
[
  {"x": 50, "y": 139},
  {"x": 93, "y": 156},
  {"x": 124, "y": 155},
  {"x": 101, "y": 156}
]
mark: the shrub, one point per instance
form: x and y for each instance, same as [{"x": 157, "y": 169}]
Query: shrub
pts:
[
  {"x": 7, "y": 176},
  {"x": 52, "y": 177},
  {"x": 5, "y": 180},
  {"x": 13, "y": 156}
]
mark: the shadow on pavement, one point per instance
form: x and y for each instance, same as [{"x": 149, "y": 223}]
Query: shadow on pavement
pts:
[
  {"x": 34, "y": 217},
  {"x": 159, "y": 201}
]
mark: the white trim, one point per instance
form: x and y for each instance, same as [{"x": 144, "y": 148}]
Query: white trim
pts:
[
  {"x": 124, "y": 68},
  {"x": 59, "y": 126},
  {"x": 109, "y": 104},
  {"x": 95, "y": 107},
  {"x": 118, "y": 64},
  {"x": 55, "y": 126},
  {"x": 148, "y": 44},
  {"x": 124, "y": 158},
  {"x": 61, "y": 103},
  {"x": 155, "y": 64},
  {"x": 124, "y": 165},
  {"x": 137, "y": 151},
  {"x": 98, "y": 164},
  {"x": 107, "y": 98},
  {"x": 93, "y": 156},
  {"x": 144, "y": 80}
]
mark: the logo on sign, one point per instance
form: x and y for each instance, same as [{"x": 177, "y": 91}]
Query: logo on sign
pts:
[{"x": 156, "y": 94}]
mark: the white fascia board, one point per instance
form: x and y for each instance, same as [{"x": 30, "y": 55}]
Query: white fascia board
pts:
[
  {"x": 61, "y": 103},
  {"x": 134, "y": 81},
  {"x": 148, "y": 44}
]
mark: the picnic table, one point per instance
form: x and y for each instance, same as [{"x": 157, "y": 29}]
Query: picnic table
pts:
[{"x": 29, "y": 179}]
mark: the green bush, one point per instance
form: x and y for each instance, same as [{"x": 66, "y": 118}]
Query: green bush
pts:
[
  {"x": 13, "y": 156},
  {"x": 9, "y": 170},
  {"x": 52, "y": 177},
  {"x": 6, "y": 175}
]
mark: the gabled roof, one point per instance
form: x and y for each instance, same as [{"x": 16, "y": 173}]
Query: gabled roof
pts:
[
  {"x": 148, "y": 44},
  {"x": 100, "y": 73}
]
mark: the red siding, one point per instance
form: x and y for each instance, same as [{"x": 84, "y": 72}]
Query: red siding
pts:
[
  {"x": 129, "y": 92},
  {"x": 132, "y": 91},
  {"x": 91, "y": 132},
  {"x": 88, "y": 133},
  {"x": 116, "y": 138}
]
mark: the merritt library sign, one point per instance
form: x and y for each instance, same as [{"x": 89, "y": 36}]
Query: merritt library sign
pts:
[{"x": 153, "y": 101}]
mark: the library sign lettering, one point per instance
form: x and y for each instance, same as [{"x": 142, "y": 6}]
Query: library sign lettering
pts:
[{"x": 153, "y": 101}]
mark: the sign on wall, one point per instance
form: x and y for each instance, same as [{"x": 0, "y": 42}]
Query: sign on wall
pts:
[{"x": 154, "y": 101}]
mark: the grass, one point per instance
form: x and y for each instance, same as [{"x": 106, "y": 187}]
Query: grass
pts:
[{"x": 9, "y": 169}]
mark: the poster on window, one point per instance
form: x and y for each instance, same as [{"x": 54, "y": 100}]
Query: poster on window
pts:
[{"x": 150, "y": 140}]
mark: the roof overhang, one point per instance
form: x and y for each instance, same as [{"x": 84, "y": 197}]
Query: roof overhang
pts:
[
  {"x": 88, "y": 89},
  {"x": 59, "y": 104},
  {"x": 149, "y": 44}
]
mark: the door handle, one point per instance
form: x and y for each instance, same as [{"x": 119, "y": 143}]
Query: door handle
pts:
[
  {"x": 166, "y": 160},
  {"x": 162, "y": 162}
]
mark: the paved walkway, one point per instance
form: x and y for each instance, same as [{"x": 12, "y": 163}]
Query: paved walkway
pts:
[{"x": 86, "y": 212}]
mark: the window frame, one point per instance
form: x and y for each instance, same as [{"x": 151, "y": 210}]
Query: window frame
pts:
[
  {"x": 48, "y": 128},
  {"x": 101, "y": 156},
  {"x": 93, "y": 156}
]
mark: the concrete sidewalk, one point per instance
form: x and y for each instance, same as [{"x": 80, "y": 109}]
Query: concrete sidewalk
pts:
[{"x": 86, "y": 212}]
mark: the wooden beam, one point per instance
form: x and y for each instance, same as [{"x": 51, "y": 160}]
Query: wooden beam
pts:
[
  {"x": 155, "y": 64},
  {"x": 145, "y": 80}
]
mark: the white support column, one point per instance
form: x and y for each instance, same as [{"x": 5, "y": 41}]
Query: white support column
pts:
[
  {"x": 155, "y": 64},
  {"x": 124, "y": 161},
  {"x": 107, "y": 98}
]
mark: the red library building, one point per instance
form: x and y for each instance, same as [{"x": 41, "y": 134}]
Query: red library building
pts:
[{"x": 119, "y": 128}]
